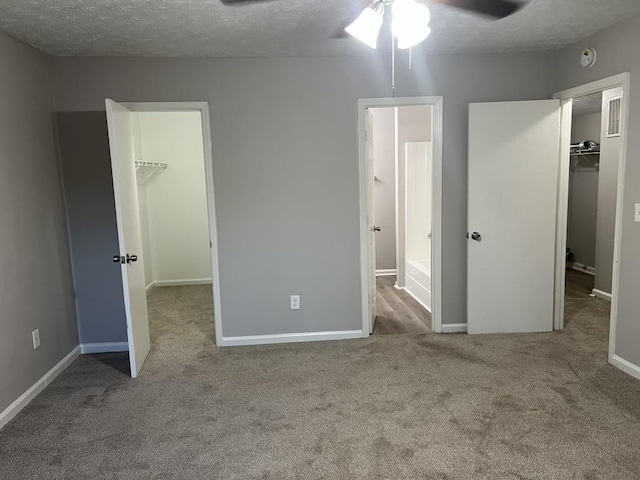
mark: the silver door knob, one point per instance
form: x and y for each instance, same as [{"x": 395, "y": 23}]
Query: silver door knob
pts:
[
  {"x": 132, "y": 258},
  {"x": 476, "y": 236},
  {"x": 375, "y": 228}
]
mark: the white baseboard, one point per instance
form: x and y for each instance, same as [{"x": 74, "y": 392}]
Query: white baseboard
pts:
[
  {"x": 12, "y": 410},
  {"x": 180, "y": 282},
  {"x": 104, "y": 347},
  {"x": 386, "y": 272},
  {"x": 625, "y": 366},
  {"x": 601, "y": 294},
  {"x": 454, "y": 328},
  {"x": 150, "y": 287},
  {"x": 289, "y": 338},
  {"x": 582, "y": 268}
]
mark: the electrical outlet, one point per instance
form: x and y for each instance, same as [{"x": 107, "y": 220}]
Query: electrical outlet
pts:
[
  {"x": 295, "y": 302},
  {"x": 36, "y": 338},
  {"x": 636, "y": 217}
]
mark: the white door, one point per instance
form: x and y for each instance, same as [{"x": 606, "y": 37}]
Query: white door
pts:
[
  {"x": 371, "y": 220},
  {"x": 513, "y": 181},
  {"x": 125, "y": 189}
]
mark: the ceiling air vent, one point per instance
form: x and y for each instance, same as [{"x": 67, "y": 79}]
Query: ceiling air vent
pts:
[{"x": 615, "y": 108}]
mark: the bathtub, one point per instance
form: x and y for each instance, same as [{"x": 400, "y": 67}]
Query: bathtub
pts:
[{"x": 418, "y": 281}]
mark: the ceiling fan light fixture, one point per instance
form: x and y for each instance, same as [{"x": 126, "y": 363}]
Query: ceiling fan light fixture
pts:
[
  {"x": 367, "y": 26},
  {"x": 410, "y": 23},
  {"x": 414, "y": 38}
]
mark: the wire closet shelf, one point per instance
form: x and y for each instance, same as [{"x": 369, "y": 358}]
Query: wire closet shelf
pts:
[{"x": 145, "y": 171}]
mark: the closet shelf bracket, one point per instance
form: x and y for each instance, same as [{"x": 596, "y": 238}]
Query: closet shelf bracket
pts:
[{"x": 145, "y": 171}]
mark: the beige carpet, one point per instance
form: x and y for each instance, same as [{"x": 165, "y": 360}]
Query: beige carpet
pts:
[{"x": 544, "y": 406}]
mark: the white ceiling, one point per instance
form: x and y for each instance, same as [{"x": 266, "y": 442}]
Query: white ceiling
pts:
[{"x": 283, "y": 27}]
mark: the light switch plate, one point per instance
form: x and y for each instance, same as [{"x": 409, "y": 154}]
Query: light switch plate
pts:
[{"x": 637, "y": 215}]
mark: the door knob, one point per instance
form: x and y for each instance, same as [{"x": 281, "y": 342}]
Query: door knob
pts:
[
  {"x": 118, "y": 259},
  {"x": 132, "y": 258},
  {"x": 476, "y": 236},
  {"x": 375, "y": 228},
  {"x": 429, "y": 235}
]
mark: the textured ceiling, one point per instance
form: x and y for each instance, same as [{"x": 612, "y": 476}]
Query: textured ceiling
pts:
[
  {"x": 283, "y": 27},
  {"x": 587, "y": 105}
]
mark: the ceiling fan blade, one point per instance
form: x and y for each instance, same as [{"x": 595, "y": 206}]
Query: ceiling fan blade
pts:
[{"x": 492, "y": 8}]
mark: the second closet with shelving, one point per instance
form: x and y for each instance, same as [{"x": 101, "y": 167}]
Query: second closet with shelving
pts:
[{"x": 593, "y": 179}]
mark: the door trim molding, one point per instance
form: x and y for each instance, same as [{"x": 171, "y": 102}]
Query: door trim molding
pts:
[
  {"x": 566, "y": 97},
  {"x": 436, "y": 102},
  {"x": 203, "y": 108}
]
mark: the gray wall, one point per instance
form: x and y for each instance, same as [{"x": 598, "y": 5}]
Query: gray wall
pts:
[
  {"x": 286, "y": 165},
  {"x": 86, "y": 168},
  {"x": 35, "y": 283},
  {"x": 384, "y": 166},
  {"x": 617, "y": 53},
  {"x": 583, "y": 194},
  {"x": 607, "y": 198}
]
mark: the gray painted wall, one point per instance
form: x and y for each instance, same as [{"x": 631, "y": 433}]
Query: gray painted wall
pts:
[
  {"x": 86, "y": 168},
  {"x": 607, "y": 198},
  {"x": 35, "y": 281},
  {"x": 617, "y": 53},
  {"x": 583, "y": 194},
  {"x": 384, "y": 166},
  {"x": 286, "y": 165}
]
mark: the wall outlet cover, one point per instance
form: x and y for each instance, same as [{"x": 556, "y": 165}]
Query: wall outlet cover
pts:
[
  {"x": 36, "y": 338},
  {"x": 295, "y": 302},
  {"x": 636, "y": 217}
]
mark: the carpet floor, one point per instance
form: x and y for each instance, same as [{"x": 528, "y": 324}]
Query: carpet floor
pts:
[{"x": 543, "y": 406}]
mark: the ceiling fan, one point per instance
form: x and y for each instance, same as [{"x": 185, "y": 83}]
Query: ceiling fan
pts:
[{"x": 410, "y": 18}]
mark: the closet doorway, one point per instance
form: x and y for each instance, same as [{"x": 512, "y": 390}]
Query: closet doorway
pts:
[
  {"x": 400, "y": 219},
  {"x": 161, "y": 165},
  {"x": 591, "y": 179}
]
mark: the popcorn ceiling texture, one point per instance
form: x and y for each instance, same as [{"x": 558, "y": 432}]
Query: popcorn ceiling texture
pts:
[
  {"x": 588, "y": 104},
  {"x": 283, "y": 27}
]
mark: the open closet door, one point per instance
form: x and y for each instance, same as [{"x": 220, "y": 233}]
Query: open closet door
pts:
[
  {"x": 125, "y": 189},
  {"x": 513, "y": 181}
]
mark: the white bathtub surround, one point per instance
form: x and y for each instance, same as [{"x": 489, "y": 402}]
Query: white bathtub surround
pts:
[
  {"x": 418, "y": 225},
  {"x": 418, "y": 281}
]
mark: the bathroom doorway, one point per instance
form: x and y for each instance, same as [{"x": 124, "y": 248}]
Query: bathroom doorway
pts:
[{"x": 402, "y": 216}]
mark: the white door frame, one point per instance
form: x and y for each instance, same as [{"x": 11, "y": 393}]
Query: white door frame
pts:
[
  {"x": 203, "y": 108},
  {"x": 566, "y": 97},
  {"x": 365, "y": 176}
]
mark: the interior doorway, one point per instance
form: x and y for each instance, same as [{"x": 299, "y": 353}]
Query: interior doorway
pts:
[
  {"x": 400, "y": 214},
  {"x": 172, "y": 201},
  {"x": 161, "y": 167},
  {"x": 592, "y": 174}
]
